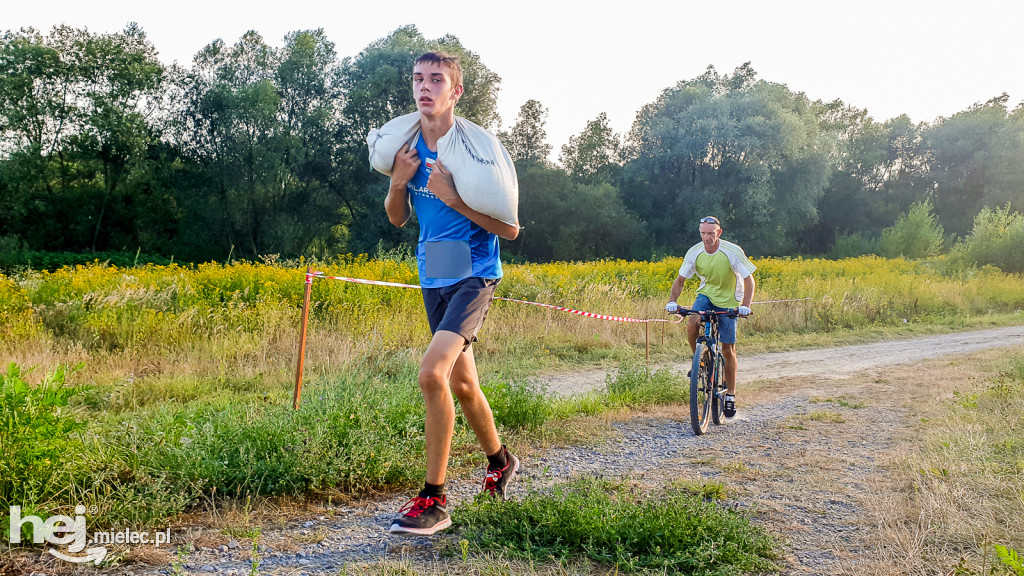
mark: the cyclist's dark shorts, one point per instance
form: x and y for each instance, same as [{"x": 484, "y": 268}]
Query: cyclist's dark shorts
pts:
[
  {"x": 461, "y": 307},
  {"x": 726, "y": 325}
]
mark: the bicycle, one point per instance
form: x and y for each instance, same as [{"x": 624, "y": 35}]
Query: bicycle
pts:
[{"x": 707, "y": 374}]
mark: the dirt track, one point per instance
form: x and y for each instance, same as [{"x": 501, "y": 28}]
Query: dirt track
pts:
[
  {"x": 808, "y": 456},
  {"x": 829, "y": 363}
]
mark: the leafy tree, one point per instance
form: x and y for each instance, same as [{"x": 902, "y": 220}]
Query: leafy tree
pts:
[
  {"x": 851, "y": 245},
  {"x": 595, "y": 154},
  {"x": 231, "y": 129},
  {"x": 260, "y": 124},
  {"x": 914, "y": 235},
  {"x": 526, "y": 142},
  {"x": 877, "y": 173},
  {"x": 122, "y": 77},
  {"x": 76, "y": 111},
  {"x": 743, "y": 149},
  {"x": 1006, "y": 175},
  {"x": 566, "y": 220},
  {"x": 971, "y": 152}
]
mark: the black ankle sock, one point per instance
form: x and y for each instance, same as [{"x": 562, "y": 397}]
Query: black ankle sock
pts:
[
  {"x": 498, "y": 460},
  {"x": 432, "y": 490}
]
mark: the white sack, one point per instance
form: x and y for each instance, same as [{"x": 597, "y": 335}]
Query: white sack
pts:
[{"x": 481, "y": 167}]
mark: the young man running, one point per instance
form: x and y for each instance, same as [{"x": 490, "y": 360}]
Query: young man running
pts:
[
  {"x": 726, "y": 282},
  {"x": 459, "y": 268}
]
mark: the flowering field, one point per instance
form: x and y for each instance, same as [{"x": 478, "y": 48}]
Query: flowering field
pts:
[{"x": 242, "y": 319}]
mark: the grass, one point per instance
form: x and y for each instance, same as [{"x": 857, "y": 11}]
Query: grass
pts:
[
  {"x": 840, "y": 401},
  {"x": 961, "y": 494},
  {"x": 826, "y": 416},
  {"x": 671, "y": 530}
]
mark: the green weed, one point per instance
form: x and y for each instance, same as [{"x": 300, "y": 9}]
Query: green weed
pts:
[
  {"x": 1011, "y": 559},
  {"x": 39, "y": 437}
]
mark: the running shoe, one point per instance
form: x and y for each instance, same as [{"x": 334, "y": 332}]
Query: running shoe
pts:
[
  {"x": 422, "y": 516},
  {"x": 497, "y": 479},
  {"x": 730, "y": 406}
]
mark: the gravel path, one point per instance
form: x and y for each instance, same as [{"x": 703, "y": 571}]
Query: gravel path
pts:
[
  {"x": 804, "y": 456},
  {"x": 830, "y": 363}
]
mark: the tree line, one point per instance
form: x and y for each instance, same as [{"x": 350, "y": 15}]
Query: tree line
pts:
[{"x": 255, "y": 150}]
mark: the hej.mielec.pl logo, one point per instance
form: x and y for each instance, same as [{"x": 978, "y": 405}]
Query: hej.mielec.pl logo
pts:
[{"x": 60, "y": 530}]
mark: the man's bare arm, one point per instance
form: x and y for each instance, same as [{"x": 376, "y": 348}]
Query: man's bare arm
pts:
[{"x": 748, "y": 290}]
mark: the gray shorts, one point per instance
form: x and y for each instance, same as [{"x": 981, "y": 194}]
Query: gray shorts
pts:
[{"x": 461, "y": 307}]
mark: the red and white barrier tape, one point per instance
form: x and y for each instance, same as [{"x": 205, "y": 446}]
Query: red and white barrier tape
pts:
[
  {"x": 582, "y": 313},
  {"x": 310, "y": 276},
  {"x": 776, "y": 301}
]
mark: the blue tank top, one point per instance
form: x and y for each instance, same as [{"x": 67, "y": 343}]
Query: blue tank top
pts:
[{"x": 451, "y": 247}]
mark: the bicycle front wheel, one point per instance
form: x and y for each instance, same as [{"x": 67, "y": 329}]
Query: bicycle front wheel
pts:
[
  {"x": 717, "y": 384},
  {"x": 701, "y": 389}
]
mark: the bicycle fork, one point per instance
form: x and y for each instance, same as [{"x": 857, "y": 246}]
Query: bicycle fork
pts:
[{"x": 718, "y": 363}]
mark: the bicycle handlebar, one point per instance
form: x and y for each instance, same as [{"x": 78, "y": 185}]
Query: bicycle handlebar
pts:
[{"x": 733, "y": 313}]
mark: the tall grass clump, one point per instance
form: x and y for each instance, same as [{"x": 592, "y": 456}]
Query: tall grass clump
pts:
[
  {"x": 634, "y": 385},
  {"x": 672, "y": 531},
  {"x": 241, "y": 320},
  {"x": 518, "y": 405}
]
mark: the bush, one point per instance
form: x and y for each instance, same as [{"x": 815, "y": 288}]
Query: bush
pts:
[
  {"x": 851, "y": 246},
  {"x": 916, "y": 235},
  {"x": 996, "y": 240}
]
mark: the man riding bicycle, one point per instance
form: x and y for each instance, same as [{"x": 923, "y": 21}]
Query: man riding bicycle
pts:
[{"x": 726, "y": 283}]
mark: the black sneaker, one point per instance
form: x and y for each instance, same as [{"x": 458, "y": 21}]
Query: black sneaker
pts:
[
  {"x": 498, "y": 478},
  {"x": 422, "y": 516},
  {"x": 730, "y": 406}
]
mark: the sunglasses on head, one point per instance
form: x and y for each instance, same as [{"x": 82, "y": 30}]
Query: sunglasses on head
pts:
[{"x": 710, "y": 220}]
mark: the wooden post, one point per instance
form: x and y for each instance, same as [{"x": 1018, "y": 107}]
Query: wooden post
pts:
[
  {"x": 647, "y": 339},
  {"x": 302, "y": 338}
]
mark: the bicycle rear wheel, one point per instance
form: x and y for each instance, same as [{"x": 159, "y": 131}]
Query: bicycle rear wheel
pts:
[
  {"x": 700, "y": 389},
  {"x": 718, "y": 386}
]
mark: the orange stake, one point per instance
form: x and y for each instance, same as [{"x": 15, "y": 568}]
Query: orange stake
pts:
[{"x": 302, "y": 337}]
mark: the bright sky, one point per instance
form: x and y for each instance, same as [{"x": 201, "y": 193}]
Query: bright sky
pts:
[{"x": 925, "y": 58}]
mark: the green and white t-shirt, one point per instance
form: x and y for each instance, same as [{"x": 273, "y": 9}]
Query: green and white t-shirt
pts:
[{"x": 721, "y": 274}]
